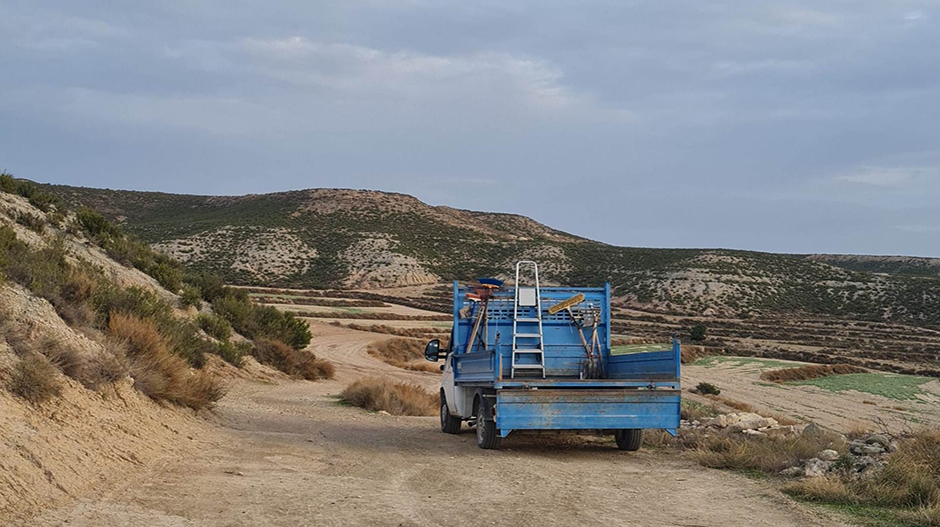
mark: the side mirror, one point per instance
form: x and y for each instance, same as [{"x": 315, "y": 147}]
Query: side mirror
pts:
[{"x": 432, "y": 351}]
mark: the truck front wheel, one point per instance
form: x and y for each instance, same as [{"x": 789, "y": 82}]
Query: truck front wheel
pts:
[
  {"x": 449, "y": 423},
  {"x": 487, "y": 436},
  {"x": 629, "y": 440}
]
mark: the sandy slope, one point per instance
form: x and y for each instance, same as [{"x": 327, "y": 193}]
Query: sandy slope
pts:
[{"x": 290, "y": 455}]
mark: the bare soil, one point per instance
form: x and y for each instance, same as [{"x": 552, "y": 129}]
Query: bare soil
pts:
[{"x": 289, "y": 454}]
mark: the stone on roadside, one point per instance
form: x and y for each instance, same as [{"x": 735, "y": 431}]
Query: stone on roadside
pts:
[
  {"x": 828, "y": 455},
  {"x": 813, "y": 429},
  {"x": 752, "y": 423},
  {"x": 816, "y": 467},
  {"x": 793, "y": 472},
  {"x": 879, "y": 439}
]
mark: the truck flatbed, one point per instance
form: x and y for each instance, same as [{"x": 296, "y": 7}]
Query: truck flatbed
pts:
[{"x": 535, "y": 374}]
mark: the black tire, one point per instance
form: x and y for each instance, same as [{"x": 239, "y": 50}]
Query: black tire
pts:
[
  {"x": 449, "y": 423},
  {"x": 629, "y": 440},
  {"x": 487, "y": 435}
]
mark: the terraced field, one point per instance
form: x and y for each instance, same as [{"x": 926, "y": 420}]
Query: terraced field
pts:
[{"x": 734, "y": 354}]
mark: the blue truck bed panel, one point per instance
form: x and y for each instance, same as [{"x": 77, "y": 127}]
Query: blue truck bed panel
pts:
[{"x": 599, "y": 409}]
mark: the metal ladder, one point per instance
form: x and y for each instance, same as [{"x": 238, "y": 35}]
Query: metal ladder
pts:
[{"x": 533, "y": 346}]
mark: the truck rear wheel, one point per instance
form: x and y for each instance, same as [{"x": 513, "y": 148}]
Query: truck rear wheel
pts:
[
  {"x": 629, "y": 440},
  {"x": 487, "y": 436},
  {"x": 449, "y": 423}
]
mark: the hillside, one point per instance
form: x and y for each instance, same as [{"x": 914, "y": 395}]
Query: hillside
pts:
[
  {"x": 367, "y": 239},
  {"x": 110, "y": 353}
]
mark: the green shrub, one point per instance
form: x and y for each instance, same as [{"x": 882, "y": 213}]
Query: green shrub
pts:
[
  {"x": 210, "y": 286},
  {"x": 707, "y": 388},
  {"x": 43, "y": 201},
  {"x": 190, "y": 297},
  {"x": 42, "y": 271},
  {"x": 699, "y": 332},
  {"x": 136, "y": 301},
  {"x": 169, "y": 276},
  {"x": 216, "y": 327},
  {"x": 234, "y": 353},
  {"x": 94, "y": 224}
]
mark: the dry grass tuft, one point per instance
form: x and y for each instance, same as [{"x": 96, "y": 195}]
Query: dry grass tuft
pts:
[
  {"x": 404, "y": 353},
  {"x": 737, "y": 405},
  {"x": 827, "y": 488},
  {"x": 858, "y": 430},
  {"x": 396, "y": 398},
  {"x": 909, "y": 483},
  {"x": 769, "y": 455},
  {"x": 159, "y": 373},
  {"x": 35, "y": 379},
  {"x": 296, "y": 363},
  {"x": 812, "y": 371},
  {"x": 691, "y": 353}
]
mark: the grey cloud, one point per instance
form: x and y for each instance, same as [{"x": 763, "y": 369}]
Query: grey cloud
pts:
[{"x": 792, "y": 126}]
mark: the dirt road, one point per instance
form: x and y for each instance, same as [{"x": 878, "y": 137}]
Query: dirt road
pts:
[{"x": 290, "y": 455}]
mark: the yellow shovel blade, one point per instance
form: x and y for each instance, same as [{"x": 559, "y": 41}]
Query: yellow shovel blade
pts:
[{"x": 565, "y": 304}]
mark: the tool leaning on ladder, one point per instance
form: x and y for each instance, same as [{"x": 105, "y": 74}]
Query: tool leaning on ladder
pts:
[{"x": 593, "y": 366}]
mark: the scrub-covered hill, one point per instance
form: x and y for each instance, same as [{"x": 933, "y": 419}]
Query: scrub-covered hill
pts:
[{"x": 368, "y": 239}]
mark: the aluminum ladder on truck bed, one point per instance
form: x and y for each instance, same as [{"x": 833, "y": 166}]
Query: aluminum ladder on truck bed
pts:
[{"x": 527, "y": 328}]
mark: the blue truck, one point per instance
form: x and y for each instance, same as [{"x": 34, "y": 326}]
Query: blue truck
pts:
[{"x": 531, "y": 358}]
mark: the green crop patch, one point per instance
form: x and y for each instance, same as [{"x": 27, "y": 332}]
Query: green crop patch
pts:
[
  {"x": 889, "y": 385},
  {"x": 740, "y": 362}
]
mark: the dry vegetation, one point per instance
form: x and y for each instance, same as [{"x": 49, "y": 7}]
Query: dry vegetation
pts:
[
  {"x": 812, "y": 371},
  {"x": 404, "y": 353},
  {"x": 157, "y": 371},
  {"x": 370, "y": 316},
  {"x": 398, "y": 332},
  {"x": 396, "y": 398},
  {"x": 35, "y": 379},
  {"x": 296, "y": 363},
  {"x": 909, "y": 484}
]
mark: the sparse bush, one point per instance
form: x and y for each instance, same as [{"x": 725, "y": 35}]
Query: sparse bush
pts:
[
  {"x": 396, "y": 398},
  {"x": 216, "y": 327},
  {"x": 27, "y": 189},
  {"x": 135, "y": 301},
  {"x": 42, "y": 271},
  {"x": 34, "y": 379},
  {"x": 158, "y": 372},
  {"x": 62, "y": 355},
  {"x": 234, "y": 353},
  {"x": 169, "y": 276},
  {"x": 210, "y": 286},
  {"x": 707, "y": 388},
  {"x": 31, "y": 221},
  {"x": 190, "y": 297},
  {"x": 265, "y": 322},
  {"x": 698, "y": 332},
  {"x": 404, "y": 353},
  {"x": 106, "y": 367},
  {"x": 296, "y": 363}
]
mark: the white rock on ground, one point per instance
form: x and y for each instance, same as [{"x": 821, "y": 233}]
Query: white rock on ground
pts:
[
  {"x": 753, "y": 423},
  {"x": 828, "y": 455}
]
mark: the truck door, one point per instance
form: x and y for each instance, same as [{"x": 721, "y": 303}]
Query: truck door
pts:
[{"x": 447, "y": 383}]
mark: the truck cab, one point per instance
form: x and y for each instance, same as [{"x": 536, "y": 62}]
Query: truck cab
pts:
[{"x": 515, "y": 362}]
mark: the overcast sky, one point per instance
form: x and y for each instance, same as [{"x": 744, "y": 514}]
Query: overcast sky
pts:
[{"x": 806, "y": 126}]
